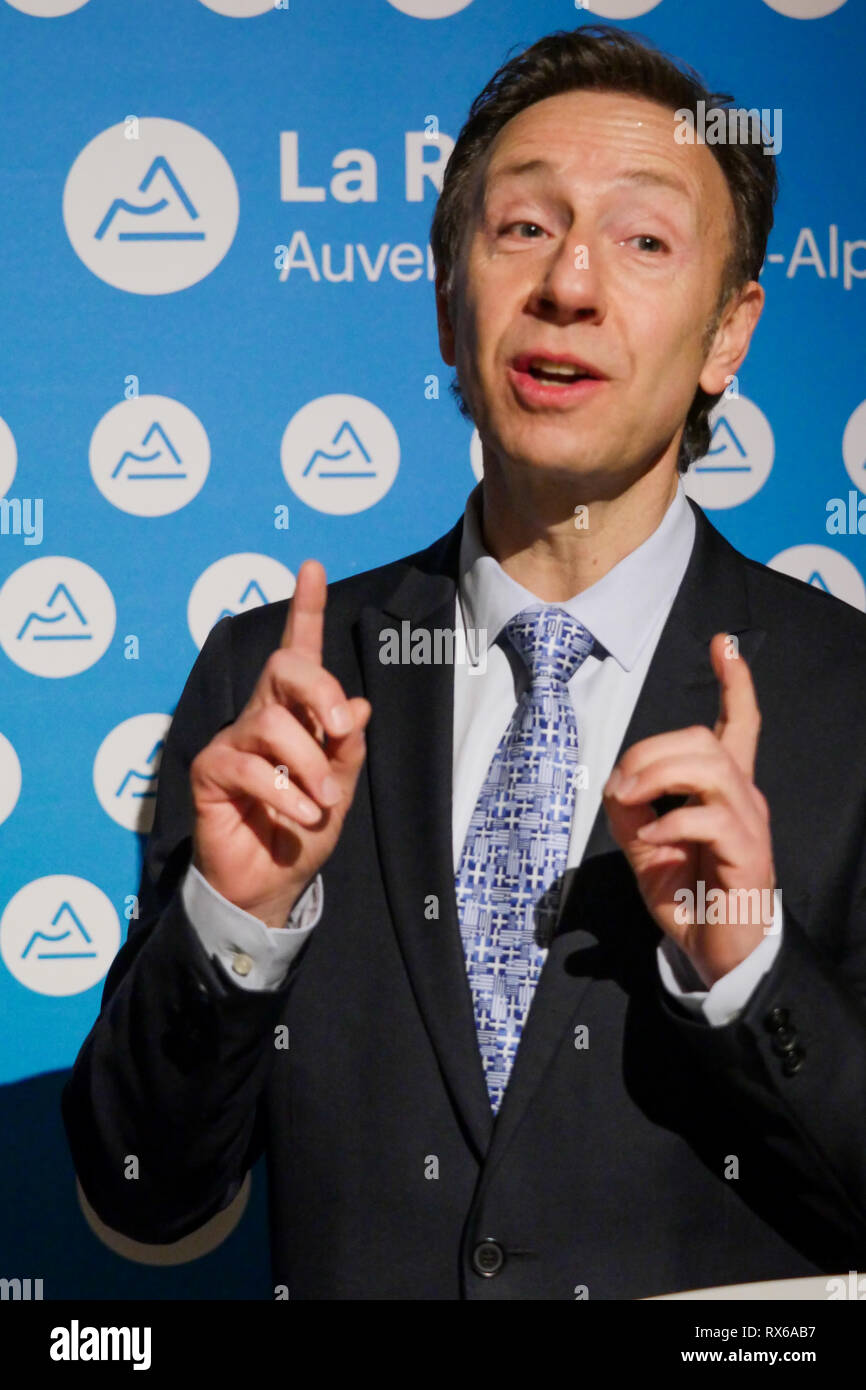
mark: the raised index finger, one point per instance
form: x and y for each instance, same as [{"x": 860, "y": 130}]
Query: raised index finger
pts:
[
  {"x": 739, "y": 721},
  {"x": 305, "y": 623}
]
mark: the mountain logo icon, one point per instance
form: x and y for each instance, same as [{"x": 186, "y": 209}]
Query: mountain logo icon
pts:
[
  {"x": 122, "y": 205},
  {"x": 235, "y": 584},
  {"x": 825, "y": 569},
  {"x": 146, "y": 781},
  {"x": 124, "y": 779},
  {"x": 816, "y": 579},
  {"x": 346, "y": 450},
  {"x": 66, "y": 623},
  {"x": 129, "y": 460},
  {"x": 730, "y": 444},
  {"x": 69, "y": 936},
  {"x": 252, "y": 597}
]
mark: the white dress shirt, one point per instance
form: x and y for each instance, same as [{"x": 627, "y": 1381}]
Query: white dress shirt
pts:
[{"x": 625, "y": 611}]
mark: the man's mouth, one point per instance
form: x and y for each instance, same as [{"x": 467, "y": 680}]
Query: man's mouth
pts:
[
  {"x": 555, "y": 368},
  {"x": 552, "y": 373},
  {"x": 556, "y": 371}
]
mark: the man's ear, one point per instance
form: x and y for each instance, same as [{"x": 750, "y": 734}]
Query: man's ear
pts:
[
  {"x": 732, "y": 338},
  {"x": 443, "y": 318}
]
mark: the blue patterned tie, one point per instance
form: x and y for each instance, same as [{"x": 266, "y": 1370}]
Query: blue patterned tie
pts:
[{"x": 516, "y": 847}]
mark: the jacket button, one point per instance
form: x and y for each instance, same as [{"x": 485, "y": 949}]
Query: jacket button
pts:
[
  {"x": 784, "y": 1042},
  {"x": 488, "y": 1257},
  {"x": 793, "y": 1062},
  {"x": 776, "y": 1018}
]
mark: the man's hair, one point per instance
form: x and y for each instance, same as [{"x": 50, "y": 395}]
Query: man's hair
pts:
[{"x": 601, "y": 58}]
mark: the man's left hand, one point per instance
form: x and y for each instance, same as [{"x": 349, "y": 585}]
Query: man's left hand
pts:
[{"x": 721, "y": 835}]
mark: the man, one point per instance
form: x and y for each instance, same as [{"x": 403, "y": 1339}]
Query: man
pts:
[{"x": 460, "y": 980}]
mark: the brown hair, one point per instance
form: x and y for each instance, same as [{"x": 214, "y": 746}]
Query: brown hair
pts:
[{"x": 599, "y": 57}]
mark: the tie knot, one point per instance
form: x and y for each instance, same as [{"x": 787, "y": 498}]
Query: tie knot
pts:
[{"x": 551, "y": 642}]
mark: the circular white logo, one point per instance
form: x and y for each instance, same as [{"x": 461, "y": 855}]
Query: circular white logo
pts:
[
  {"x": 126, "y": 770},
  {"x": 805, "y": 9},
  {"x": 825, "y": 569},
  {"x": 59, "y": 934},
  {"x": 150, "y": 205},
  {"x": 47, "y": 9},
  {"x": 429, "y": 9},
  {"x": 854, "y": 447},
  {"x": 57, "y": 616},
  {"x": 10, "y": 778},
  {"x": 340, "y": 454},
  {"x": 739, "y": 458},
  {"x": 149, "y": 455},
  {"x": 8, "y": 457},
  {"x": 232, "y": 585},
  {"x": 242, "y": 9}
]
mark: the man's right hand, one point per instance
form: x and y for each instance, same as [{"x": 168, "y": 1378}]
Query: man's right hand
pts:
[{"x": 260, "y": 836}]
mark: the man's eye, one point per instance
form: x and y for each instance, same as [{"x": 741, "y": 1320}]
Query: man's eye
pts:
[
  {"x": 522, "y": 224},
  {"x": 646, "y": 237}
]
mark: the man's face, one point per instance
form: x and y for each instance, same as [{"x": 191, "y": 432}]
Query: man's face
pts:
[{"x": 609, "y": 250}]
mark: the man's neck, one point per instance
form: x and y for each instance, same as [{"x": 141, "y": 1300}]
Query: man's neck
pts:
[{"x": 555, "y": 546}]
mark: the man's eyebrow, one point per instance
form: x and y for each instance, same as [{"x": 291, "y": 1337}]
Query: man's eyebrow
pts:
[
  {"x": 527, "y": 166},
  {"x": 657, "y": 177}
]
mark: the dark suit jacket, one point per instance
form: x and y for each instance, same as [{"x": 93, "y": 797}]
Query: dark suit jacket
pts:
[{"x": 609, "y": 1167}]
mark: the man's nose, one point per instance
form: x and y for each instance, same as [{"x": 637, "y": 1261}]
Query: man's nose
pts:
[{"x": 571, "y": 282}]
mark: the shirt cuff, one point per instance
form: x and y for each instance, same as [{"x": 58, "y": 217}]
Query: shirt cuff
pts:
[
  {"x": 255, "y": 956},
  {"x": 725, "y": 1000}
]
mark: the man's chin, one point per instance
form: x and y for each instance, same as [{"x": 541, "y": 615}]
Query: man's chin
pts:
[{"x": 557, "y": 463}]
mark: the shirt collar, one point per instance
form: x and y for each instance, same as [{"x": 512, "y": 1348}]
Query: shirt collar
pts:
[{"x": 620, "y": 610}]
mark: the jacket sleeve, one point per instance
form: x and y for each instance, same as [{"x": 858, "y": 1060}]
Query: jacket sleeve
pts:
[
  {"x": 173, "y": 1069},
  {"x": 793, "y": 1066}
]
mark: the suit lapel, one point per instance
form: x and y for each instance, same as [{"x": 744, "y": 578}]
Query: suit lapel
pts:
[
  {"x": 409, "y": 756},
  {"x": 600, "y": 898}
]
